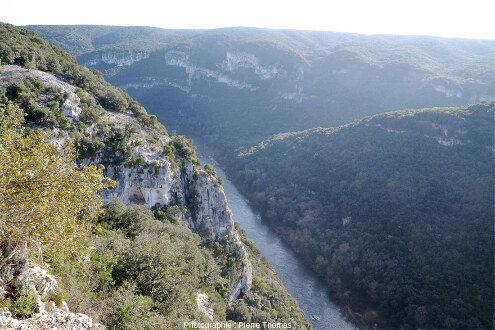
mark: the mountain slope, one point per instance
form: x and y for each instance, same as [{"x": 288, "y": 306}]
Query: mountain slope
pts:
[
  {"x": 188, "y": 241},
  {"x": 238, "y": 86},
  {"x": 395, "y": 211}
]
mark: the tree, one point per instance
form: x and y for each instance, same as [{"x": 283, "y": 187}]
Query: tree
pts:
[{"x": 45, "y": 197}]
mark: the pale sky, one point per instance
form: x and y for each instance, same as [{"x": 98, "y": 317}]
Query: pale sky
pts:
[{"x": 446, "y": 18}]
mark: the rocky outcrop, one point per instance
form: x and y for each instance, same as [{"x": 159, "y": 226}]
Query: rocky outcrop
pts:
[
  {"x": 19, "y": 276},
  {"x": 71, "y": 107},
  {"x": 155, "y": 181},
  {"x": 56, "y": 319},
  {"x": 118, "y": 59},
  {"x": 208, "y": 211},
  {"x": 195, "y": 72},
  {"x": 236, "y": 60},
  {"x": 449, "y": 92},
  {"x": 136, "y": 185},
  {"x": 214, "y": 217},
  {"x": 202, "y": 300}
]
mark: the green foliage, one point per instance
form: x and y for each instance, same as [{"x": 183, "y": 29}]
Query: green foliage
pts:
[
  {"x": 121, "y": 39},
  {"x": 146, "y": 277},
  {"x": 168, "y": 150},
  {"x": 129, "y": 310},
  {"x": 167, "y": 213},
  {"x": 90, "y": 114},
  {"x": 144, "y": 274},
  {"x": 128, "y": 219},
  {"x": 89, "y": 146},
  {"x": 184, "y": 147},
  {"x": 113, "y": 99},
  {"x": 57, "y": 298},
  {"x": 26, "y": 93},
  {"x": 17, "y": 47},
  {"x": 116, "y": 150},
  {"x": 210, "y": 170},
  {"x": 391, "y": 211},
  {"x": 45, "y": 197},
  {"x": 24, "y": 306},
  {"x": 23, "y": 287},
  {"x": 153, "y": 120},
  {"x": 260, "y": 285}
]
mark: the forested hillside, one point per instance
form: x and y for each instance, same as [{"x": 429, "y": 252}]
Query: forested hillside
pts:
[
  {"x": 395, "y": 211},
  {"x": 127, "y": 266},
  {"x": 238, "y": 86}
]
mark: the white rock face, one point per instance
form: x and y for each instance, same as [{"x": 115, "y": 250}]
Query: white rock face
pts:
[
  {"x": 481, "y": 98},
  {"x": 43, "y": 282},
  {"x": 447, "y": 142},
  {"x": 4, "y": 311},
  {"x": 117, "y": 58},
  {"x": 3, "y": 289},
  {"x": 152, "y": 82},
  {"x": 56, "y": 319},
  {"x": 136, "y": 186},
  {"x": 70, "y": 106},
  {"x": 48, "y": 79},
  {"x": 157, "y": 182},
  {"x": 450, "y": 92},
  {"x": 215, "y": 213},
  {"x": 194, "y": 72},
  {"x": 160, "y": 185},
  {"x": 446, "y": 138},
  {"x": 235, "y": 60},
  {"x": 346, "y": 221},
  {"x": 202, "y": 300},
  {"x": 472, "y": 98}
]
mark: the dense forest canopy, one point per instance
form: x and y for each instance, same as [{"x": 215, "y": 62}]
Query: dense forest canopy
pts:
[{"x": 395, "y": 211}]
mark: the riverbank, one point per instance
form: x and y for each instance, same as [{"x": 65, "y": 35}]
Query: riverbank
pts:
[{"x": 301, "y": 282}]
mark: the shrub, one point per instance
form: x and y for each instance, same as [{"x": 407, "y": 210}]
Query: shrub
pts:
[
  {"x": 80, "y": 92},
  {"x": 91, "y": 114},
  {"x": 210, "y": 170},
  {"x": 57, "y": 298},
  {"x": 25, "y": 305},
  {"x": 184, "y": 147},
  {"x": 113, "y": 99},
  {"x": 88, "y": 147},
  {"x": 168, "y": 149},
  {"x": 129, "y": 310}
]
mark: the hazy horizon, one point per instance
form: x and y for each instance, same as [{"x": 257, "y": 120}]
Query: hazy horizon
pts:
[
  {"x": 257, "y": 27},
  {"x": 449, "y": 19}
]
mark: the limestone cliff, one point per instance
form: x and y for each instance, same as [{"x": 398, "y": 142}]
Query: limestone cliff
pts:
[
  {"x": 115, "y": 58},
  {"x": 207, "y": 212},
  {"x": 155, "y": 179}
]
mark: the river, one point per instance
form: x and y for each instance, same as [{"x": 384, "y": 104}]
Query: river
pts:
[{"x": 301, "y": 282}]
